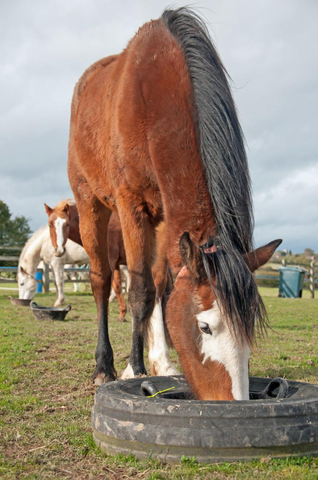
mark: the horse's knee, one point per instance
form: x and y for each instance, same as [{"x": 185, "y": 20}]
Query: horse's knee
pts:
[
  {"x": 141, "y": 301},
  {"x": 100, "y": 281}
]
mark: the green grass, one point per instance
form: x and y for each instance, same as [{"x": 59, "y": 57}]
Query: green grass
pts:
[{"x": 46, "y": 394}]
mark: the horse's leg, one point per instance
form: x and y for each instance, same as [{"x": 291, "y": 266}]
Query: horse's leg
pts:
[
  {"x": 112, "y": 295},
  {"x": 124, "y": 270},
  {"x": 120, "y": 297},
  {"x": 94, "y": 218},
  {"x": 58, "y": 269},
  {"x": 139, "y": 240},
  {"x": 76, "y": 276},
  {"x": 158, "y": 352},
  {"x": 159, "y": 356}
]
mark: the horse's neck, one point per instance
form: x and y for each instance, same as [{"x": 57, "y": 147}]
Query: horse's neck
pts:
[
  {"x": 74, "y": 225},
  {"x": 198, "y": 222},
  {"x": 47, "y": 250},
  {"x": 32, "y": 256}
]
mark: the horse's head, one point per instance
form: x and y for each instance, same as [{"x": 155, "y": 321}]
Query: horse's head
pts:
[
  {"x": 27, "y": 284},
  {"x": 214, "y": 358},
  {"x": 59, "y": 227}
]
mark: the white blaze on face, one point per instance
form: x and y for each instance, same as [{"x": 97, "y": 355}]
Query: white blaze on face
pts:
[
  {"x": 222, "y": 347},
  {"x": 58, "y": 224}
]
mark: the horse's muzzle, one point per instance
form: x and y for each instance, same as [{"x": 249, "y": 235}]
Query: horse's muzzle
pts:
[{"x": 59, "y": 254}]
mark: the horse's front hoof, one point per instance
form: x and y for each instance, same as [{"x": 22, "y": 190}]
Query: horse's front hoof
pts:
[
  {"x": 129, "y": 372},
  {"x": 102, "y": 377},
  {"x": 58, "y": 303},
  {"x": 121, "y": 319},
  {"x": 163, "y": 370}
]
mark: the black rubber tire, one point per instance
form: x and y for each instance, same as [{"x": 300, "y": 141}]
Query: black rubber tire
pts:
[{"x": 125, "y": 421}]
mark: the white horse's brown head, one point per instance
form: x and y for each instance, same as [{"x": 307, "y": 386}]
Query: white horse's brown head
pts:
[
  {"x": 213, "y": 351},
  {"x": 59, "y": 226}
]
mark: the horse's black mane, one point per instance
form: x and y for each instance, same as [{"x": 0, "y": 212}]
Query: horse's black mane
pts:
[{"x": 226, "y": 171}]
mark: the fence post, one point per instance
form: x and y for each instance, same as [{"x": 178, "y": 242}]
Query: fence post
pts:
[
  {"x": 46, "y": 282},
  {"x": 312, "y": 277}
]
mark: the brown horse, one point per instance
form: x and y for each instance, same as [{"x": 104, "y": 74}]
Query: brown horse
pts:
[
  {"x": 64, "y": 224},
  {"x": 154, "y": 135}
]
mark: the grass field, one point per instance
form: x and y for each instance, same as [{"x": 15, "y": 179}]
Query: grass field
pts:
[{"x": 47, "y": 396}]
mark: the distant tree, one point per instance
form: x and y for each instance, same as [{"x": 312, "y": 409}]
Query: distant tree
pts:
[
  {"x": 309, "y": 252},
  {"x": 13, "y": 231},
  {"x": 5, "y": 216}
]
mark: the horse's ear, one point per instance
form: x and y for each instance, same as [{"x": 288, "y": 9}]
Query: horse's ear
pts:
[
  {"x": 191, "y": 256},
  {"x": 48, "y": 209},
  {"x": 66, "y": 208},
  {"x": 260, "y": 256},
  {"x": 22, "y": 270}
]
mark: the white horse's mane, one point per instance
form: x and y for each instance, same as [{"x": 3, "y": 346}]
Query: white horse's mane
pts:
[{"x": 30, "y": 241}]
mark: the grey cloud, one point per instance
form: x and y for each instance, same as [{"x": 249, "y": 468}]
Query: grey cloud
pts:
[{"x": 269, "y": 49}]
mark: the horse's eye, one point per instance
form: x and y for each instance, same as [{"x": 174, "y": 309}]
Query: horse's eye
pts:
[
  {"x": 67, "y": 224},
  {"x": 50, "y": 226},
  {"x": 204, "y": 328}
]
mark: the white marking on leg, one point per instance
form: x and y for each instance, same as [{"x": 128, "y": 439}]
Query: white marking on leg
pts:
[
  {"x": 112, "y": 295},
  {"x": 59, "y": 222},
  {"x": 128, "y": 372},
  {"x": 159, "y": 356},
  {"x": 222, "y": 347},
  {"x": 125, "y": 271},
  {"x": 58, "y": 270}
]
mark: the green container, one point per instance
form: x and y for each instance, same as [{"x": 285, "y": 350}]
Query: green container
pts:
[{"x": 291, "y": 280}]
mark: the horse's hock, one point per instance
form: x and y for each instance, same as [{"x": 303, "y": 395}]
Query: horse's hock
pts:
[{"x": 126, "y": 421}]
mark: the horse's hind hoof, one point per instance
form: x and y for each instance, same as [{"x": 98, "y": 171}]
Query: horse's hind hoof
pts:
[{"x": 101, "y": 378}]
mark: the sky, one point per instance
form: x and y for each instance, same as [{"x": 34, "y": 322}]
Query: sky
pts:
[{"x": 269, "y": 48}]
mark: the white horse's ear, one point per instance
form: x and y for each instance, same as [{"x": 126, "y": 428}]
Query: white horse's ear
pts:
[
  {"x": 261, "y": 255},
  {"x": 48, "y": 209},
  {"x": 22, "y": 270}
]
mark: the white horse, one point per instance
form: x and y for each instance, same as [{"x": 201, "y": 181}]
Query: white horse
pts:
[{"x": 39, "y": 247}]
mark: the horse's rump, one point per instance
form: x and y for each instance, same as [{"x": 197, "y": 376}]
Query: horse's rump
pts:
[{"x": 87, "y": 75}]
